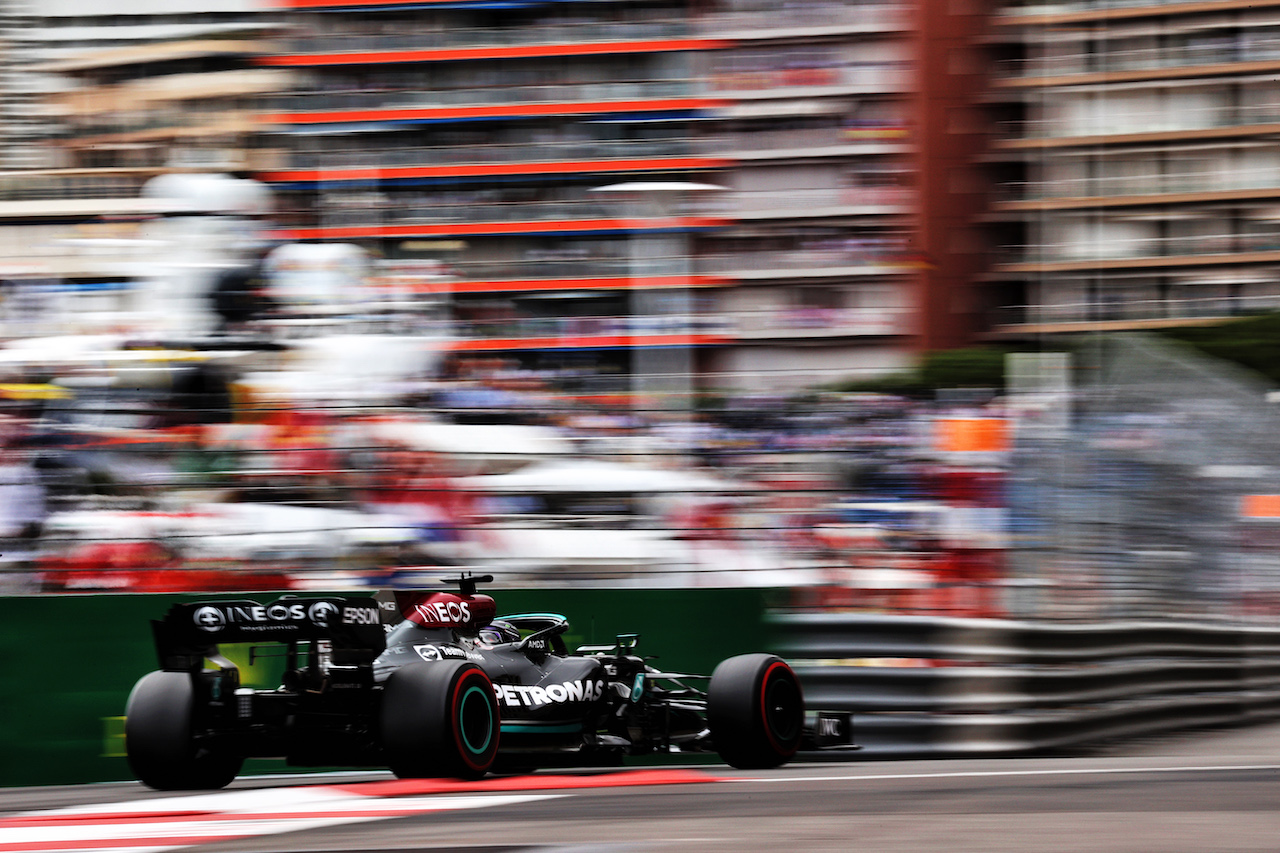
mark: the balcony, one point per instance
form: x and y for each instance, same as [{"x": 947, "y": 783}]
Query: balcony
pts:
[
  {"x": 423, "y": 43},
  {"x": 359, "y": 7},
  {"x": 28, "y": 186},
  {"x": 861, "y": 138},
  {"x": 362, "y": 162},
  {"x": 1137, "y": 314},
  {"x": 862, "y": 258},
  {"x": 393, "y": 105},
  {"x": 1135, "y": 126},
  {"x": 1236, "y": 53},
  {"x": 185, "y": 92},
  {"x": 1041, "y": 11},
  {"x": 86, "y": 131},
  {"x": 400, "y": 214},
  {"x": 840, "y": 201},
  {"x": 794, "y": 20},
  {"x": 676, "y": 329},
  {"x": 446, "y": 208},
  {"x": 786, "y": 82},
  {"x": 793, "y": 323},
  {"x": 867, "y": 258},
  {"x": 403, "y": 217},
  {"x": 551, "y": 269},
  {"x": 587, "y": 156},
  {"x": 619, "y": 332},
  {"x": 570, "y": 274},
  {"x": 1140, "y": 188},
  {"x": 1120, "y": 252},
  {"x": 765, "y": 21}
]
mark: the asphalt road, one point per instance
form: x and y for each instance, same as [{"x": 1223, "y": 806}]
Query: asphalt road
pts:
[{"x": 1206, "y": 791}]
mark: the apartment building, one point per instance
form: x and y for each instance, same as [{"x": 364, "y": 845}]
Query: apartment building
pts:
[
  {"x": 760, "y": 196},
  {"x": 1141, "y": 177},
  {"x": 113, "y": 101}
]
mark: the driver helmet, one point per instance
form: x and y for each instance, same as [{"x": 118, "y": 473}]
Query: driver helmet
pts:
[{"x": 499, "y": 631}]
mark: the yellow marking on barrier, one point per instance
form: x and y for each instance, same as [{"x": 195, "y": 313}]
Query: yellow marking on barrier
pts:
[
  {"x": 113, "y": 737},
  {"x": 33, "y": 391}
]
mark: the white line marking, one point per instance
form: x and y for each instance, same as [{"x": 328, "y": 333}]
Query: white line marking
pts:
[
  {"x": 246, "y": 799},
  {"x": 966, "y": 774},
  {"x": 217, "y": 816}
]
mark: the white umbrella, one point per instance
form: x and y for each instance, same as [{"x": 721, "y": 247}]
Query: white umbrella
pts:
[
  {"x": 654, "y": 186},
  {"x": 591, "y": 476},
  {"x": 473, "y": 439}
]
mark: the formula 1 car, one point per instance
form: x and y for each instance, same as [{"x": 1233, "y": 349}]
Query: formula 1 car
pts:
[{"x": 431, "y": 684}]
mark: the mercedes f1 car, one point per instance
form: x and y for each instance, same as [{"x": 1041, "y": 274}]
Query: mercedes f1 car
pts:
[{"x": 432, "y": 684}]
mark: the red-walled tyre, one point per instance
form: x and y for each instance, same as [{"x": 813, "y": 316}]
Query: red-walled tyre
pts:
[
  {"x": 159, "y": 739},
  {"x": 755, "y": 710},
  {"x": 440, "y": 719}
]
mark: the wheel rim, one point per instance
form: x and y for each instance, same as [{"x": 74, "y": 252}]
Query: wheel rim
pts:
[
  {"x": 782, "y": 708},
  {"x": 475, "y": 720}
]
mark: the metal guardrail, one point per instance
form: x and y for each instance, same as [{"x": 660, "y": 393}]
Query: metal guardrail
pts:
[{"x": 927, "y": 686}]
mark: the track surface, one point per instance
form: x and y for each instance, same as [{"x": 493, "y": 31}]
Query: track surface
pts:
[{"x": 1214, "y": 791}]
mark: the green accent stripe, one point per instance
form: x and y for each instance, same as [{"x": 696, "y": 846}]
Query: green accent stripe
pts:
[{"x": 542, "y": 728}]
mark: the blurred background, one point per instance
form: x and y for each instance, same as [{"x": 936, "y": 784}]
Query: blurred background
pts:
[{"x": 907, "y": 307}]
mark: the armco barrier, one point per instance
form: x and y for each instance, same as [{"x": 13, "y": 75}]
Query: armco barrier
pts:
[
  {"x": 924, "y": 686},
  {"x": 68, "y": 662}
]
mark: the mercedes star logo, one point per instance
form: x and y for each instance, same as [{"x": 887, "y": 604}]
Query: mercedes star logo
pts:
[
  {"x": 320, "y": 612},
  {"x": 209, "y": 619}
]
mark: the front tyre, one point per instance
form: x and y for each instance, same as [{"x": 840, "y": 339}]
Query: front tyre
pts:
[
  {"x": 159, "y": 737},
  {"x": 755, "y": 710},
  {"x": 440, "y": 719}
]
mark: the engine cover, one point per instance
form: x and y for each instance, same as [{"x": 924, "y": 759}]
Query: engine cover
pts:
[{"x": 466, "y": 614}]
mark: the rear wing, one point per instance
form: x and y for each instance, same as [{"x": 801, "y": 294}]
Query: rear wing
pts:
[{"x": 190, "y": 633}]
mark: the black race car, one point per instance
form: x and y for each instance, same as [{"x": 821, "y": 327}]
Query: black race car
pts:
[{"x": 432, "y": 684}]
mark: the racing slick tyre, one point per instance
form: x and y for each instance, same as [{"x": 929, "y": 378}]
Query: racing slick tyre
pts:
[
  {"x": 755, "y": 710},
  {"x": 158, "y": 737},
  {"x": 440, "y": 719}
]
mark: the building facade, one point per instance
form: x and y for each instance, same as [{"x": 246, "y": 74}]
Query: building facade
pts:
[
  {"x": 624, "y": 193},
  {"x": 113, "y": 102},
  {"x": 1140, "y": 170}
]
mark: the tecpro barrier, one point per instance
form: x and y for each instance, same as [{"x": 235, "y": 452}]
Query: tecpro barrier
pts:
[
  {"x": 924, "y": 686},
  {"x": 69, "y": 661}
]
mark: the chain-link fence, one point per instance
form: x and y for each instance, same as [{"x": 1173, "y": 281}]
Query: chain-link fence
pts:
[{"x": 1153, "y": 500}]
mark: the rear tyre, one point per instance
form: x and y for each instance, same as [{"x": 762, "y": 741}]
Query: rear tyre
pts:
[
  {"x": 440, "y": 719},
  {"x": 159, "y": 742},
  {"x": 755, "y": 710}
]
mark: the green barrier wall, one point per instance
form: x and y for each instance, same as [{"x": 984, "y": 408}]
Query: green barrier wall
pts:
[{"x": 67, "y": 663}]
